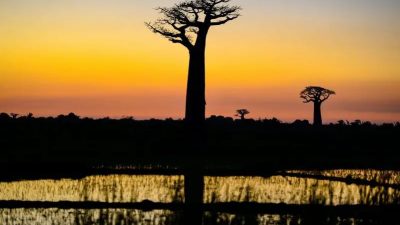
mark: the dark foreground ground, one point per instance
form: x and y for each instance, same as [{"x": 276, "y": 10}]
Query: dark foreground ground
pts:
[{"x": 68, "y": 143}]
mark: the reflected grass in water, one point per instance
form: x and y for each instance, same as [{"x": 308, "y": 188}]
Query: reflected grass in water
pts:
[
  {"x": 111, "y": 188},
  {"x": 292, "y": 190},
  {"x": 164, "y": 217},
  {"x": 276, "y": 219},
  {"x": 165, "y": 189},
  {"x": 379, "y": 176},
  {"x": 87, "y": 216}
]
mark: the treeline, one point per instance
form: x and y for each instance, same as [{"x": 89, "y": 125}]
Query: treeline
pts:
[
  {"x": 221, "y": 120},
  {"x": 225, "y": 143}
]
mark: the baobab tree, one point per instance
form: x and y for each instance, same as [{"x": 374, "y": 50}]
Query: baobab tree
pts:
[
  {"x": 317, "y": 95},
  {"x": 242, "y": 113},
  {"x": 188, "y": 23}
]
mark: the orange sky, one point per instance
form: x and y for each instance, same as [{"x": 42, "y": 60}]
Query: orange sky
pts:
[{"x": 96, "y": 58}]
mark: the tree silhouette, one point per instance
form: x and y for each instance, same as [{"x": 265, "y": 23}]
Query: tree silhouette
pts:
[
  {"x": 14, "y": 115},
  {"x": 29, "y": 116},
  {"x": 242, "y": 113},
  {"x": 188, "y": 23},
  {"x": 317, "y": 95},
  {"x": 4, "y": 116}
]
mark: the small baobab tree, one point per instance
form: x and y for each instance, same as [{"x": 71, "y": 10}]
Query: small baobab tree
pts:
[
  {"x": 242, "y": 113},
  {"x": 317, "y": 95},
  {"x": 188, "y": 23}
]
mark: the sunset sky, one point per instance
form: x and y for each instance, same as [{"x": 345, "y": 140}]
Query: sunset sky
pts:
[{"x": 96, "y": 58}]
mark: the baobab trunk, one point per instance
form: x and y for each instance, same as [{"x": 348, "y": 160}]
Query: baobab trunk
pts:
[
  {"x": 195, "y": 117},
  {"x": 196, "y": 86},
  {"x": 317, "y": 114},
  {"x": 195, "y": 93}
]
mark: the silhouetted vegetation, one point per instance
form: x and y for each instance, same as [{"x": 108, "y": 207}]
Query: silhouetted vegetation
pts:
[{"x": 255, "y": 145}]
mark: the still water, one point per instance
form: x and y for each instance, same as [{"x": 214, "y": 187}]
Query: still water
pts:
[
  {"x": 54, "y": 216},
  {"x": 312, "y": 187}
]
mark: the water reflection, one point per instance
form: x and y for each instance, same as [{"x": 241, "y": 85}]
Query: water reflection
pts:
[
  {"x": 275, "y": 189},
  {"x": 112, "y": 188},
  {"x": 379, "y": 176},
  {"x": 276, "y": 219},
  {"x": 164, "y": 217},
  {"x": 87, "y": 216},
  {"x": 292, "y": 190}
]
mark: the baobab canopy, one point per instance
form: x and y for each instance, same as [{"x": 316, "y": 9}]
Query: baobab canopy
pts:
[
  {"x": 183, "y": 22},
  {"x": 317, "y": 95}
]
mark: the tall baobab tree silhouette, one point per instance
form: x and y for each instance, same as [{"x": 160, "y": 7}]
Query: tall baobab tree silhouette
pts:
[
  {"x": 317, "y": 95},
  {"x": 188, "y": 23}
]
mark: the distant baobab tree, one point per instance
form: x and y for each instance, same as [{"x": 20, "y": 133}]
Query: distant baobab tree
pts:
[
  {"x": 242, "y": 113},
  {"x": 317, "y": 95},
  {"x": 188, "y": 23}
]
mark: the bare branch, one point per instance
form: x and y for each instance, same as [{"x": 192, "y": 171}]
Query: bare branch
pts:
[
  {"x": 184, "y": 21},
  {"x": 224, "y": 14},
  {"x": 225, "y": 20},
  {"x": 175, "y": 34}
]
